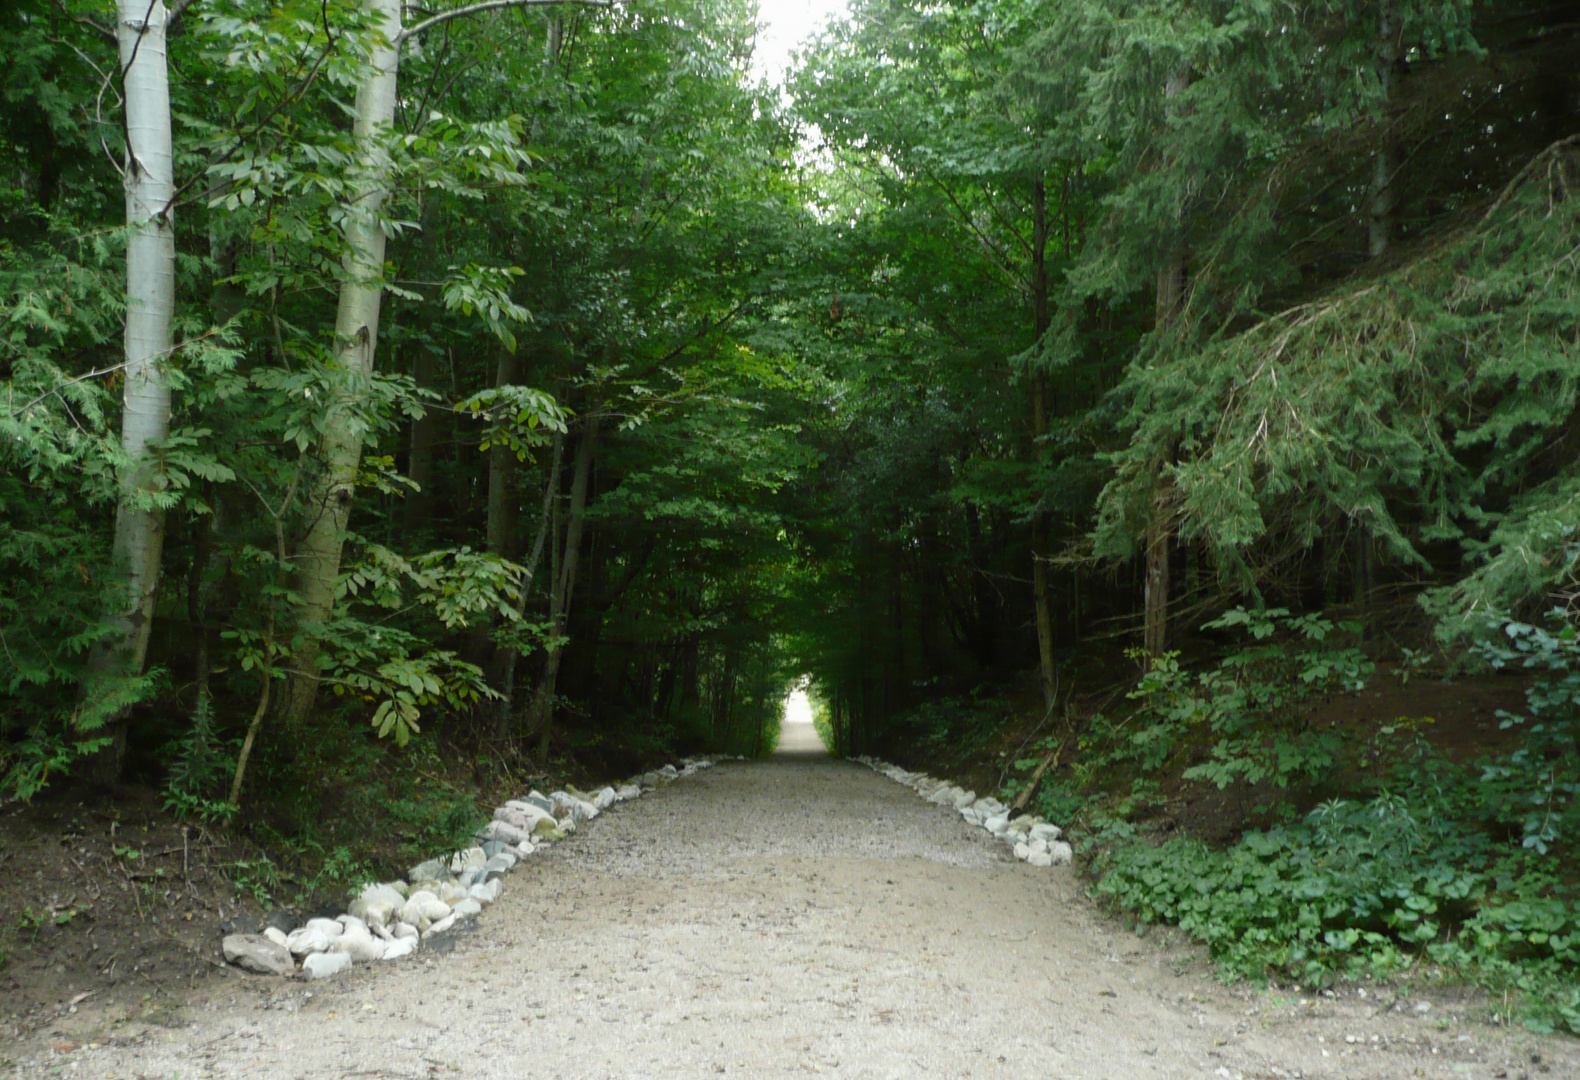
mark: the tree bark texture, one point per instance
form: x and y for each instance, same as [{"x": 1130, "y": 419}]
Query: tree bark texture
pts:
[
  {"x": 1039, "y": 431},
  {"x": 564, "y": 585},
  {"x": 1173, "y": 280},
  {"x": 356, "y": 335},
  {"x": 419, "y": 466},
  {"x": 150, "y": 306},
  {"x": 1383, "y": 196}
]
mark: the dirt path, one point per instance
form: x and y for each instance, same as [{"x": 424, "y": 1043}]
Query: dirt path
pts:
[{"x": 798, "y": 916}]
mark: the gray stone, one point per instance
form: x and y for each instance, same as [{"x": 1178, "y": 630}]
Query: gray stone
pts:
[
  {"x": 604, "y": 798},
  {"x": 275, "y": 935},
  {"x": 627, "y": 791},
  {"x": 258, "y": 954},
  {"x": 470, "y": 859},
  {"x": 403, "y": 930},
  {"x": 322, "y": 965},
  {"x": 1039, "y": 858},
  {"x": 998, "y": 825},
  {"x": 1060, "y": 853},
  {"x": 505, "y": 832},
  {"x": 1045, "y": 832},
  {"x": 1022, "y": 851},
  {"x": 467, "y": 877},
  {"x": 964, "y": 798},
  {"x": 468, "y": 908},
  {"x": 499, "y": 864},
  {"x": 486, "y": 892},
  {"x": 492, "y": 848},
  {"x": 541, "y": 801},
  {"x": 432, "y": 870}
]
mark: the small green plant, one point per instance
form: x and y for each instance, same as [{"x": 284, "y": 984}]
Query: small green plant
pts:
[
  {"x": 1254, "y": 702},
  {"x": 202, "y": 766},
  {"x": 258, "y": 878}
]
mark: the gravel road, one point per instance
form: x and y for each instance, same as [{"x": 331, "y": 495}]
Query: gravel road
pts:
[{"x": 792, "y": 917}]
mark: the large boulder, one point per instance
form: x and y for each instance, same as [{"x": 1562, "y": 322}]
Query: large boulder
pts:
[{"x": 258, "y": 954}]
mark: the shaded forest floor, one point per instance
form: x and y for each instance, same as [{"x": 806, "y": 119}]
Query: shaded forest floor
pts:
[{"x": 112, "y": 910}]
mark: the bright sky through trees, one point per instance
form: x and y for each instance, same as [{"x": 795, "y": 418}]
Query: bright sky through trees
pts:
[
  {"x": 785, "y": 25},
  {"x": 798, "y": 709}
]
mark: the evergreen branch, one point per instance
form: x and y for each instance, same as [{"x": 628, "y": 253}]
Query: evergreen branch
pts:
[{"x": 493, "y": 5}]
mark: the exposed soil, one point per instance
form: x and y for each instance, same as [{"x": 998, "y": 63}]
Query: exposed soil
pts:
[
  {"x": 792, "y": 917},
  {"x": 108, "y": 909}
]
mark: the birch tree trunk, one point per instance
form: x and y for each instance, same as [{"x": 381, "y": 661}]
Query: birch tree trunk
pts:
[
  {"x": 150, "y": 306},
  {"x": 564, "y": 585},
  {"x": 356, "y": 335}
]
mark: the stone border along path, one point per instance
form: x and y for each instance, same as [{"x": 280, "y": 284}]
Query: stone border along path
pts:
[
  {"x": 392, "y": 920},
  {"x": 1033, "y": 840}
]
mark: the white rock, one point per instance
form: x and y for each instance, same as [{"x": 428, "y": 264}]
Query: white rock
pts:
[
  {"x": 531, "y": 811},
  {"x": 627, "y": 791},
  {"x": 466, "y": 909},
  {"x": 603, "y": 798},
  {"x": 579, "y": 809},
  {"x": 964, "y": 798},
  {"x": 258, "y": 954},
  {"x": 322, "y": 965},
  {"x": 522, "y": 850},
  {"x": 377, "y": 904},
  {"x": 403, "y": 931},
  {"x": 309, "y": 939},
  {"x": 358, "y": 944},
  {"x": 1039, "y": 845},
  {"x": 470, "y": 859},
  {"x": 1045, "y": 832},
  {"x": 440, "y": 926},
  {"x": 1041, "y": 858},
  {"x": 998, "y": 825},
  {"x": 423, "y": 909},
  {"x": 1022, "y": 851},
  {"x": 451, "y": 891},
  {"x": 400, "y": 947},
  {"x": 504, "y": 832},
  {"x": 275, "y": 934},
  {"x": 486, "y": 892},
  {"x": 1060, "y": 852}
]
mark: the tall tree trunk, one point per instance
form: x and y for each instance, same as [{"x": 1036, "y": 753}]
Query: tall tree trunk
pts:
[
  {"x": 424, "y": 434},
  {"x": 499, "y": 532},
  {"x": 565, "y": 583},
  {"x": 507, "y": 681},
  {"x": 1383, "y": 198},
  {"x": 1173, "y": 278},
  {"x": 356, "y": 335},
  {"x": 150, "y": 306},
  {"x": 1039, "y": 431}
]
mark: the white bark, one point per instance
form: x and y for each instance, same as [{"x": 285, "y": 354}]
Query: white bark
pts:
[
  {"x": 150, "y": 305},
  {"x": 356, "y": 335}
]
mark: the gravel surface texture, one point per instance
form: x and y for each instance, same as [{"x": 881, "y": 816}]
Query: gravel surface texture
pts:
[{"x": 786, "y": 918}]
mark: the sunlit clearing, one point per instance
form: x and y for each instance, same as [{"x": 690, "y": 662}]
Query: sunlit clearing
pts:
[{"x": 798, "y": 708}]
